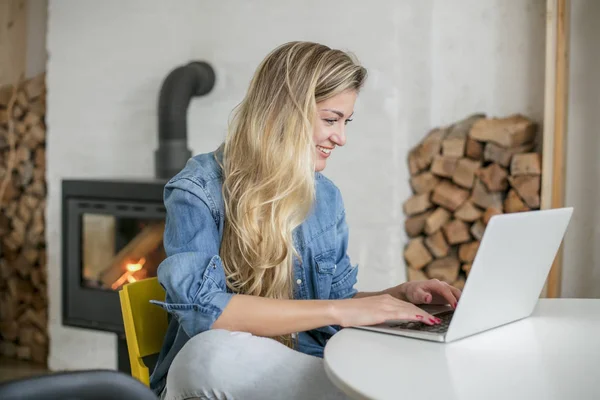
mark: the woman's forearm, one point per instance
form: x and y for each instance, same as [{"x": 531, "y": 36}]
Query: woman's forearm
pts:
[{"x": 270, "y": 317}]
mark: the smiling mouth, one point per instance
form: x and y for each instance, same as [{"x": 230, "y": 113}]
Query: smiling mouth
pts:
[{"x": 324, "y": 150}]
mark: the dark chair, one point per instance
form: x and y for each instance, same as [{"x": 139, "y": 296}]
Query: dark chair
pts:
[{"x": 78, "y": 385}]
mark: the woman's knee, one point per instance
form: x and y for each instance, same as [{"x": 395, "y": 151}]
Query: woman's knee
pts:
[
  {"x": 206, "y": 357},
  {"x": 210, "y": 364}
]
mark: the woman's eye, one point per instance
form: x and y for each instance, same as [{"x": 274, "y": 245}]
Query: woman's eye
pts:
[
  {"x": 331, "y": 121},
  {"x": 348, "y": 120}
]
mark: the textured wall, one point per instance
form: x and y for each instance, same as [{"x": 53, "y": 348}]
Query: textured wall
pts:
[
  {"x": 581, "y": 264},
  {"x": 430, "y": 62}
]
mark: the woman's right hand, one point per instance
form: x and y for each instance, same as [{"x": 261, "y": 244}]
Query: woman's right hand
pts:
[{"x": 378, "y": 309}]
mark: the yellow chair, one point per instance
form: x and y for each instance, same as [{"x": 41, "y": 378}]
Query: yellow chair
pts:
[{"x": 145, "y": 323}]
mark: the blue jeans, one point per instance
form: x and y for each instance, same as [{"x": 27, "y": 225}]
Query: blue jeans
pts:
[{"x": 219, "y": 364}]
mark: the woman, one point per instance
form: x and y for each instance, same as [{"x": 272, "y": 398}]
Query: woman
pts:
[{"x": 257, "y": 274}]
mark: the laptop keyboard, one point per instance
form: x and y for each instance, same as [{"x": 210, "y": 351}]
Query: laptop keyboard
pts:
[{"x": 442, "y": 327}]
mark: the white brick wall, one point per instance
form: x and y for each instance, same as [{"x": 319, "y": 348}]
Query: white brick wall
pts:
[{"x": 430, "y": 62}]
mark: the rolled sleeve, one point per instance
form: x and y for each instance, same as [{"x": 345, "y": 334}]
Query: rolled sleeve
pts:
[{"x": 192, "y": 274}]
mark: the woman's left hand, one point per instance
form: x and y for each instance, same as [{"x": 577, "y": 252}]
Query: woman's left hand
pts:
[{"x": 431, "y": 291}]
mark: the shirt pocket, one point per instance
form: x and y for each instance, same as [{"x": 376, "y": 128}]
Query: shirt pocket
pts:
[{"x": 324, "y": 267}]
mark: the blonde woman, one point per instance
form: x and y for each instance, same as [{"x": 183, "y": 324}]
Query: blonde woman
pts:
[{"x": 257, "y": 274}]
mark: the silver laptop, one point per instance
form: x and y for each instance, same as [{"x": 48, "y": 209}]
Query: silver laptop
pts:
[{"x": 506, "y": 279}]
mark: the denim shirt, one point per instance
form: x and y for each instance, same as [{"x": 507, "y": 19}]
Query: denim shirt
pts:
[{"x": 193, "y": 275}]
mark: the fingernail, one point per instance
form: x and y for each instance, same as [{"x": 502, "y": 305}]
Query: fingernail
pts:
[
  {"x": 455, "y": 304},
  {"x": 419, "y": 317},
  {"x": 438, "y": 320},
  {"x": 432, "y": 320}
]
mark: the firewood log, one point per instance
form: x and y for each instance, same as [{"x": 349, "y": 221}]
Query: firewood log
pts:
[
  {"x": 37, "y": 133},
  {"x": 18, "y": 111},
  {"x": 455, "y": 141},
  {"x": 454, "y": 147},
  {"x": 26, "y": 332},
  {"x": 494, "y": 177},
  {"x": 436, "y": 219},
  {"x": 468, "y": 212},
  {"x": 456, "y": 232},
  {"x": 22, "y": 100},
  {"x": 528, "y": 188},
  {"x": 422, "y": 155},
  {"x": 423, "y": 183},
  {"x": 23, "y": 266},
  {"x": 465, "y": 171},
  {"x": 5, "y": 95},
  {"x": 444, "y": 166},
  {"x": 39, "y": 353},
  {"x": 462, "y": 128},
  {"x": 24, "y": 353},
  {"x": 31, "y": 119},
  {"x": 415, "y": 275},
  {"x": 8, "y": 349},
  {"x": 416, "y": 254},
  {"x": 449, "y": 196},
  {"x": 481, "y": 197},
  {"x": 477, "y": 230},
  {"x": 38, "y": 319},
  {"x": 513, "y": 203},
  {"x": 20, "y": 129},
  {"x": 445, "y": 269},
  {"x": 467, "y": 251},
  {"x": 9, "y": 330},
  {"x": 489, "y": 213},
  {"x": 417, "y": 204},
  {"x": 511, "y": 131},
  {"x": 474, "y": 149},
  {"x": 415, "y": 224},
  {"x": 437, "y": 245},
  {"x": 526, "y": 164},
  {"x": 503, "y": 156},
  {"x": 4, "y": 117}
]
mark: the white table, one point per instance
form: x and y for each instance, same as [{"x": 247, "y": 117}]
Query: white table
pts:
[{"x": 554, "y": 354}]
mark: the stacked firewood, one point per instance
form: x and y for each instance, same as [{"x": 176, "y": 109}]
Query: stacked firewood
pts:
[
  {"x": 461, "y": 176},
  {"x": 23, "y": 296}
]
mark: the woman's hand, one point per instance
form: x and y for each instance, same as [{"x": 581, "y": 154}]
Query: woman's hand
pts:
[
  {"x": 376, "y": 310},
  {"x": 431, "y": 291}
]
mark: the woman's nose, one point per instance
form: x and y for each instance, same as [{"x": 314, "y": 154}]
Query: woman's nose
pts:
[{"x": 339, "y": 138}]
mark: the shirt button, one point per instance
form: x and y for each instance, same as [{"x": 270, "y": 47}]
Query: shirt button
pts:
[{"x": 299, "y": 281}]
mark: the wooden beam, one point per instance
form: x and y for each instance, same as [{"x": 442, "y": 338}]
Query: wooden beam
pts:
[
  {"x": 13, "y": 40},
  {"x": 139, "y": 247},
  {"x": 555, "y": 121}
]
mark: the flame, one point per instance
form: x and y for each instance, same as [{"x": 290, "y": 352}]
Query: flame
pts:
[
  {"x": 134, "y": 267},
  {"x": 130, "y": 269}
]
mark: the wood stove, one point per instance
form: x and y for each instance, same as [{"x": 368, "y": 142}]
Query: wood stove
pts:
[{"x": 111, "y": 234}]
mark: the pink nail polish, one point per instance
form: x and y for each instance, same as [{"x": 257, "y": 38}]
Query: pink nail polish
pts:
[
  {"x": 419, "y": 316},
  {"x": 438, "y": 320},
  {"x": 432, "y": 320},
  {"x": 455, "y": 305}
]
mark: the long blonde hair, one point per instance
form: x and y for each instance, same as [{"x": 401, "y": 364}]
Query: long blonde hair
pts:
[{"x": 269, "y": 166}]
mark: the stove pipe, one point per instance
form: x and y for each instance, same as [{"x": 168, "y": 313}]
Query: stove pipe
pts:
[{"x": 184, "y": 82}]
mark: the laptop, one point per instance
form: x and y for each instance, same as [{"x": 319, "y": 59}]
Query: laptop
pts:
[{"x": 506, "y": 278}]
